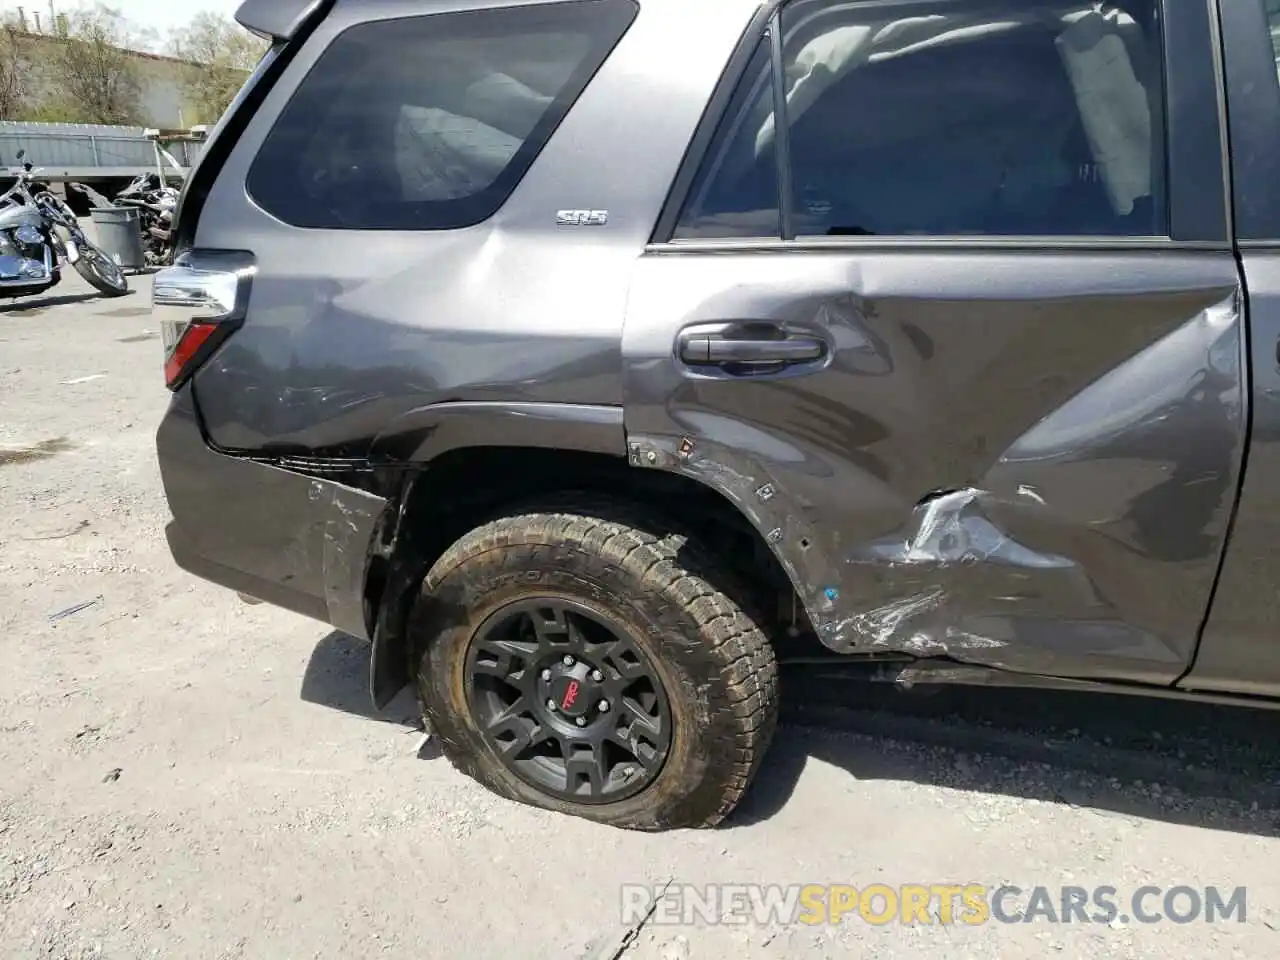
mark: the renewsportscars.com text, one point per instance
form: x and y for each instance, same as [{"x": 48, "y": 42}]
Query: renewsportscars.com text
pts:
[{"x": 930, "y": 903}]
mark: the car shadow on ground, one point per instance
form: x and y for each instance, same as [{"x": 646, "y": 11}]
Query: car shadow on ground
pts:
[
  {"x": 1178, "y": 762},
  {"x": 1174, "y": 761},
  {"x": 37, "y": 305},
  {"x": 337, "y": 677}
]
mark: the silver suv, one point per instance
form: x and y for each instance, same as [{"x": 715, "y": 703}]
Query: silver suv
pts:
[{"x": 590, "y": 357}]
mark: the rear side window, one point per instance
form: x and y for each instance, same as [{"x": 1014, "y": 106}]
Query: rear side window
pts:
[
  {"x": 947, "y": 118},
  {"x": 735, "y": 193},
  {"x": 430, "y": 122}
]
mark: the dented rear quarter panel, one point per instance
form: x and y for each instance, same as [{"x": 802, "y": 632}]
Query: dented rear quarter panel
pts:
[{"x": 350, "y": 331}]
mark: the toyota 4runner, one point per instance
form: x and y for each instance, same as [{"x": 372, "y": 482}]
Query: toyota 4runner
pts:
[{"x": 585, "y": 356}]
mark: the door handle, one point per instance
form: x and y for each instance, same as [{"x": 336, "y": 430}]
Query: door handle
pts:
[{"x": 703, "y": 350}]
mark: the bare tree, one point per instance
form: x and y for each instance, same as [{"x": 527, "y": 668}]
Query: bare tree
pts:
[
  {"x": 97, "y": 76},
  {"x": 222, "y": 54},
  {"x": 12, "y": 77}
]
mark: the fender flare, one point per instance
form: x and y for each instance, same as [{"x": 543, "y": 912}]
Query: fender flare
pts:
[
  {"x": 422, "y": 435},
  {"x": 754, "y": 486}
]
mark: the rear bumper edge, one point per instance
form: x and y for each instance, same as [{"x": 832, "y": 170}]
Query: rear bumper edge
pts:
[
  {"x": 186, "y": 556},
  {"x": 294, "y": 541}
]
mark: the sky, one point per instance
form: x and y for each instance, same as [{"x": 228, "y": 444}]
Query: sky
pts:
[{"x": 162, "y": 15}]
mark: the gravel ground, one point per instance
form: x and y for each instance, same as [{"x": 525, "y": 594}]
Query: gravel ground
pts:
[{"x": 187, "y": 776}]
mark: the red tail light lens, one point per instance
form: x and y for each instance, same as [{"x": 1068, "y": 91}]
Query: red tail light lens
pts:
[{"x": 190, "y": 340}]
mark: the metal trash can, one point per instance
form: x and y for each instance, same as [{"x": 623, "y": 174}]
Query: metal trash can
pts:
[{"x": 119, "y": 232}]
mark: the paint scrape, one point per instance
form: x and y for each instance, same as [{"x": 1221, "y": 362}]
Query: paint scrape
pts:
[
  {"x": 952, "y": 529},
  {"x": 878, "y": 626}
]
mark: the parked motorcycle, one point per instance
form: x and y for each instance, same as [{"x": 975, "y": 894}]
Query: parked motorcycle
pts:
[
  {"x": 38, "y": 233},
  {"x": 156, "y": 203}
]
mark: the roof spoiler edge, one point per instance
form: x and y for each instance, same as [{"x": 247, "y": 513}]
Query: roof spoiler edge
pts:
[{"x": 277, "y": 19}]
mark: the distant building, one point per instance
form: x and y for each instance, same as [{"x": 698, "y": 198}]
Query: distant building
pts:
[{"x": 163, "y": 101}]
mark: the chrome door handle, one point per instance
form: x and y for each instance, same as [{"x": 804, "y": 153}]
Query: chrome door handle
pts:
[{"x": 701, "y": 349}]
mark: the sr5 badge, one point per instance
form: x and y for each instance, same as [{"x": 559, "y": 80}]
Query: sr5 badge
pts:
[{"x": 582, "y": 218}]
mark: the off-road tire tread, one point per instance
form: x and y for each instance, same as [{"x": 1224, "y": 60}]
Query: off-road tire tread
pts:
[{"x": 742, "y": 702}]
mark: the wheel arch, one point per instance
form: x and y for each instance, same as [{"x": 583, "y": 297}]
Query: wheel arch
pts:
[{"x": 466, "y": 463}]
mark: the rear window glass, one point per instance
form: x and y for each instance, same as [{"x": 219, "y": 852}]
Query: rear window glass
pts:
[
  {"x": 1273, "y": 27},
  {"x": 944, "y": 118},
  {"x": 428, "y": 123}
]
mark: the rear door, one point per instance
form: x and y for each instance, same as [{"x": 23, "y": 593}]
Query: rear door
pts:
[{"x": 945, "y": 302}]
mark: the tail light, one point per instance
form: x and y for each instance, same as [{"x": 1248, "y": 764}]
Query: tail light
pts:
[{"x": 199, "y": 302}]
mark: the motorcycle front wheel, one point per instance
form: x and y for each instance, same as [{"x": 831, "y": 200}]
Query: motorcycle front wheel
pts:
[{"x": 101, "y": 271}]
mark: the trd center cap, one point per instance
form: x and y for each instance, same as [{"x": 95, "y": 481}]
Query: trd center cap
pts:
[{"x": 573, "y": 695}]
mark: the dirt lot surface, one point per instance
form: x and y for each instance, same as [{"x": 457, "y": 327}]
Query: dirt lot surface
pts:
[{"x": 182, "y": 775}]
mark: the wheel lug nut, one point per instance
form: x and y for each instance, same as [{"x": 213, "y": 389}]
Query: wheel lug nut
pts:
[
  {"x": 568, "y": 660},
  {"x": 546, "y": 674},
  {"x": 581, "y": 721},
  {"x": 551, "y": 704},
  {"x": 597, "y": 676},
  {"x": 604, "y": 706}
]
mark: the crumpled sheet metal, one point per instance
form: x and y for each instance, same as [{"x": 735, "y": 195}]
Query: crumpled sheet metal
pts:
[{"x": 1023, "y": 563}]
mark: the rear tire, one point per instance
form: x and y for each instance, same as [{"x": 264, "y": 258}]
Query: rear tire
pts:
[
  {"x": 679, "y": 625},
  {"x": 101, "y": 271}
]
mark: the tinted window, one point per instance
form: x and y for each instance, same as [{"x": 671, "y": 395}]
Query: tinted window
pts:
[
  {"x": 430, "y": 122},
  {"x": 735, "y": 193},
  {"x": 1001, "y": 118},
  {"x": 1273, "y": 25},
  {"x": 1251, "y": 41},
  {"x": 997, "y": 118}
]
